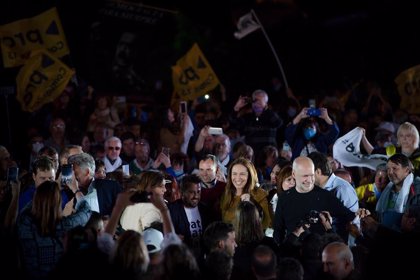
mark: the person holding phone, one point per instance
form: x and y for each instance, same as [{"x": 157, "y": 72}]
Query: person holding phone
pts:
[
  {"x": 260, "y": 125},
  {"x": 304, "y": 136}
]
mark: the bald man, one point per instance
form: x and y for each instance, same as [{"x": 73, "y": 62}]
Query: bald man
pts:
[
  {"x": 337, "y": 260},
  {"x": 294, "y": 205}
]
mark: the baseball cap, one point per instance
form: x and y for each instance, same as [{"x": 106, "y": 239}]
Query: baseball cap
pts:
[
  {"x": 387, "y": 126},
  {"x": 152, "y": 238}
]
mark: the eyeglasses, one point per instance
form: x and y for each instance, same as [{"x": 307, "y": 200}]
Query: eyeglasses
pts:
[{"x": 114, "y": 148}]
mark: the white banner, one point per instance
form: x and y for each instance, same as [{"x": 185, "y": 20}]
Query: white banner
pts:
[{"x": 346, "y": 150}]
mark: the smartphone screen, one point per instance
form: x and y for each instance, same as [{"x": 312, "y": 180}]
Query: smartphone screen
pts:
[
  {"x": 66, "y": 172},
  {"x": 183, "y": 106},
  {"x": 12, "y": 174}
]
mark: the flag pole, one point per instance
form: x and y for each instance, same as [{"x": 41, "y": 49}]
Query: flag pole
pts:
[{"x": 272, "y": 49}]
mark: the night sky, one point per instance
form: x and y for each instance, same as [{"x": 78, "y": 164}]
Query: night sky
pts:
[{"x": 320, "y": 43}]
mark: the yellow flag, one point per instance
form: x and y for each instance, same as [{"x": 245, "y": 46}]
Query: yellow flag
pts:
[
  {"x": 41, "y": 80},
  {"x": 192, "y": 76},
  {"x": 43, "y": 31},
  {"x": 408, "y": 84}
]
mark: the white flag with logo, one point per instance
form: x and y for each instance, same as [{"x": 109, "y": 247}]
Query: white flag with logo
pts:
[
  {"x": 246, "y": 25},
  {"x": 346, "y": 150}
]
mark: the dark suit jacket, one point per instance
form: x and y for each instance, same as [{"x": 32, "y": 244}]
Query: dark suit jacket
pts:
[
  {"x": 107, "y": 191},
  {"x": 180, "y": 220}
]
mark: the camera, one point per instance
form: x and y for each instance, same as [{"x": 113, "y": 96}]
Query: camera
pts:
[
  {"x": 313, "y": 112},
  {"x": 66, "y": 173},
  {"x": 12, "y": 174},
  {"x": 313, "y": 217},
  {"x": 140, "y": 196}
]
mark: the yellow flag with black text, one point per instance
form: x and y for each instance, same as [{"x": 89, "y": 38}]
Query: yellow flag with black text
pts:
[
  {"x": 192, "y": 76},
  {"x": 408, "y": 84},
  {"x": 41, "y": 80},
  {"x": 19, "y": 38}
]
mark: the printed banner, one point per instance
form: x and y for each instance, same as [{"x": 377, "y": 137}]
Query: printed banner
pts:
[
  {"x": 408, "y": 84},
  {"x": 192, "y": 76},
  {"x": 41, "y": 80},
  {"x": 43, "y": 31},
  {"x": 346, "y": 150}
]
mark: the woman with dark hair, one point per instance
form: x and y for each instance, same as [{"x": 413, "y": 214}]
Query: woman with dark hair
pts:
[
  {"x": 178, "y": 262},
  {"x": 140, "y": 215},
  {"x": 176, "y": 131},
  {"x": 304, "y": 135},
  {"x": 242, "y": 184},
  {"x": 285, "y": 182},
  {"x": 249, "y": 234},
  {"x": 41, "y": 227}
]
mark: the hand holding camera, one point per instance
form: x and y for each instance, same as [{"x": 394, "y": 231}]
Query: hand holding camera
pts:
[{"x": 313, "y": 112}]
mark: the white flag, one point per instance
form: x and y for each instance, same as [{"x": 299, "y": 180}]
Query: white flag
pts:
[
  {"x": 346, "y": 150},
  {"x": 246, "y": 25}
]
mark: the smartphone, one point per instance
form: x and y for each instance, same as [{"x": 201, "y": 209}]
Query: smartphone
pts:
[
  {"x": 166, "y": 151},
  {"x": 183, "y": 107},
  {"x": 12, "y": 174},
  {"x": 126, "y": 169},
  {"x": 66, "y": 173},
  {"x": 286, "y": 147},
  {"x": 139, "y": 196},
  {"x": 215, "y": 130}
]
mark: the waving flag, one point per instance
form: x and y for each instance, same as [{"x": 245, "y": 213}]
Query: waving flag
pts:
[
  {"x": 246, "y": 25},
  {"x": 346, "y": 150}
]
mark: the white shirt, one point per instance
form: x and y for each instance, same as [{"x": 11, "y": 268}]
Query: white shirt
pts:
[{"x": 194, "y": 219}]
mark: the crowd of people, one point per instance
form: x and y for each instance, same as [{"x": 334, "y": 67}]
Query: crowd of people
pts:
[{"x": 168, "y": 197}]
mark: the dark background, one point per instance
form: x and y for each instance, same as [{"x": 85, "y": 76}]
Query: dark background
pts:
[{"x": 321, "y": 44}]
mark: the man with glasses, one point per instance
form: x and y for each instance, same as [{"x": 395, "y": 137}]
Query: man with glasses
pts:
[{"x": 112, "y": 158}]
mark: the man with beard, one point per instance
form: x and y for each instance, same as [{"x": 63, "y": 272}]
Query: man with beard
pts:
[
  {"x": 189, "y": 216},
  {"x": 402, "y": 191}
]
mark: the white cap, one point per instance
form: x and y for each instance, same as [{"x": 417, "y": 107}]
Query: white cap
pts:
[{"x": 153, "y": 239}]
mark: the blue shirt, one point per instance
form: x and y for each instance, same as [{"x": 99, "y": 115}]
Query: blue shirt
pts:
[{"x": 28, "y": 195}]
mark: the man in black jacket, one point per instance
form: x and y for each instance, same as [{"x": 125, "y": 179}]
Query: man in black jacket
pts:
[
  {"x": 101, "y": 194},
  {"x": 189, "y": 216}
]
